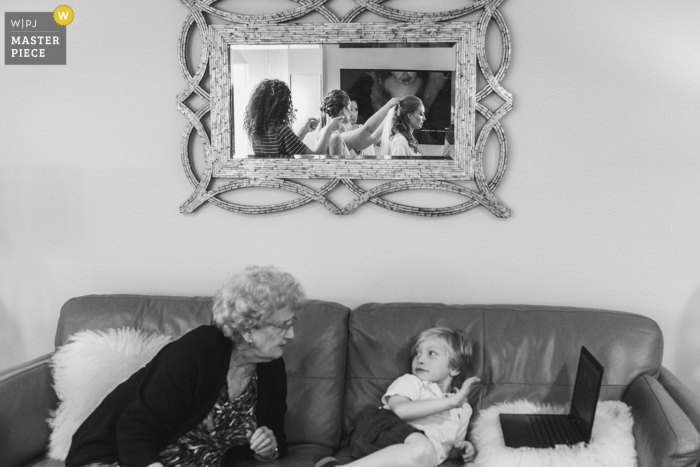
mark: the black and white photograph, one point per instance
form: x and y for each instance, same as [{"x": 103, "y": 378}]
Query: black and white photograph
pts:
[{"x": 359, "y": 233}]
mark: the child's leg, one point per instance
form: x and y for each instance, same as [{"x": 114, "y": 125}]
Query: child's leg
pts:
[{"x": 416, "y": 451}]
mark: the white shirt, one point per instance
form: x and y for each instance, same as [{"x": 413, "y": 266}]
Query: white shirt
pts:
[
  {"x": 443, "y": 429},
  {"x": 400, "y": 146}
]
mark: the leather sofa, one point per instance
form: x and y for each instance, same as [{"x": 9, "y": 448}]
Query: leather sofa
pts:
[{"x": 342, "y": 360}]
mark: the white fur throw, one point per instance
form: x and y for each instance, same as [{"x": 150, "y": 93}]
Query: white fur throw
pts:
[
  {"x": 87, "y": 368},
  {"x": 612, "y": 442}
]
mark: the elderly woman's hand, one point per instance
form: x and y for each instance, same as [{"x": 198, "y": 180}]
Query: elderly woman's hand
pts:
[{"x": 263, "y": 443}]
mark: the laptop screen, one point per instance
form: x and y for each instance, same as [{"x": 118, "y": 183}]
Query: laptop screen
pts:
[{"x": 586, "y": 391}]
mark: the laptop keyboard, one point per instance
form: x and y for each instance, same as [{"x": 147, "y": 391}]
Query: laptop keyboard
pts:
[{"x": 552, "y": 430}]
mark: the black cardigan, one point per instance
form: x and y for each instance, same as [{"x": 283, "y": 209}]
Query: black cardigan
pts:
[{"x": 170, "y": 396}]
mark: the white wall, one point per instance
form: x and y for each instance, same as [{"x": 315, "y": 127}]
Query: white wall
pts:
[{"x": 603, "y": 181}]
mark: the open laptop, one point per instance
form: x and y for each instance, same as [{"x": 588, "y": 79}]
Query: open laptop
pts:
[{"x": 549, "y": 430}]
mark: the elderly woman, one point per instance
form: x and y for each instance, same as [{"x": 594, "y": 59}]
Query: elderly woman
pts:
[
  {"x": 267, "y": 121},
  {"x": 347, "y": 143},
  {"x": 214, "y": 396}
]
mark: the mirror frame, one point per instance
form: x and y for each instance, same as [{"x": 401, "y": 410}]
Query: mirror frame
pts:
[
  {"x": 470, "y": 40},
  {"x": 461, "y": 34}
]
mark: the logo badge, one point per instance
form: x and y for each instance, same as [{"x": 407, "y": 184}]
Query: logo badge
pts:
[
  {"x": 63, "y": 15},
  {"x": 37, "y": 38}
]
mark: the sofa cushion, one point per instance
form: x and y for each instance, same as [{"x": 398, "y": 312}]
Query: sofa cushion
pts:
[
  {"x": 316, "y": 374},
  {"x": 379, "y": 346},
  {"x": 315, "y": 358},
  {"x": 300, "y": 455},
  {"x": 532, "y": 351},
  {"x": 172, "y": 316}
]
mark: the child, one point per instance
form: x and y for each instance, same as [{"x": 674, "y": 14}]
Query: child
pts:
[{"x": 425, "y": 414}]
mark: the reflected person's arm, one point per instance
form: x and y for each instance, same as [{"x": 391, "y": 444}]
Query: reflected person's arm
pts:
[
  {"x": 376, "y": 136},
  {"x": 374, "y": 139},
  {"x": 360, "y": 138},
  {"x": 335, "y": 145},
  {"x": 325, "y": 136},
  {"x": 309, "y": 126}
]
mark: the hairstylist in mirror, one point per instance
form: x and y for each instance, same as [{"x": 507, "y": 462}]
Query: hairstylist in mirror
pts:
[
  {"x": 347, "y": 143},
  {"x": 267, "y": 121},
  {"x": 214, "y": 396}
]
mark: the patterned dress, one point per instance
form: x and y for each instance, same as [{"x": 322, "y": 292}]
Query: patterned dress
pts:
[{"x": 226, "y": 426}]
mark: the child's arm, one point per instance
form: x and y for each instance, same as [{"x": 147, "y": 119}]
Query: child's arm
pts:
[{"x": 407, "y": 409}]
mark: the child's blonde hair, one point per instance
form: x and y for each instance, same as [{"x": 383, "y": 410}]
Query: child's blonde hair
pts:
[{"x": 459, "y": 348}]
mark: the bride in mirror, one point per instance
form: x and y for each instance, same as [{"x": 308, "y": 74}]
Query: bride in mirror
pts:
[
  {"x": 348, "y": 143},
  {"x": 400, "y": 123}
]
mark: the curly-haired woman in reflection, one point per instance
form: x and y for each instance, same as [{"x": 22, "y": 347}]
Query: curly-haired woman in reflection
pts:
[{"x": 267, "y": 121}]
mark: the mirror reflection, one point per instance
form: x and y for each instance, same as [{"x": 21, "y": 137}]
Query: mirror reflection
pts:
[{"x": 366, "y": 101}]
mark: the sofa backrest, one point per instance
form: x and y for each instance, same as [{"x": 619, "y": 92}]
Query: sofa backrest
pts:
[
  {"x": 341, "y": 362},
  {"x": 173, "y": 316},
  {"x": 315, "y": 358},
  {"x": 519, "y": 351}
]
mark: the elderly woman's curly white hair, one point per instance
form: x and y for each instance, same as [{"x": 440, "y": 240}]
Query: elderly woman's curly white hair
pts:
[{"x": 246, "y": 300}]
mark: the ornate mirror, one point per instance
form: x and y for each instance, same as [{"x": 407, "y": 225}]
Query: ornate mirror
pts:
[{"x": 438, "y": 61}]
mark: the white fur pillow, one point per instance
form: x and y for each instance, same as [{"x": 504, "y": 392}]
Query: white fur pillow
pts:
[
  {"x": 612, "y": 441},
  {"x": 87, "y": 368}
]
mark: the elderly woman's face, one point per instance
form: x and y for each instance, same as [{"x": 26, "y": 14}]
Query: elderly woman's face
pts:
[{"x": 269, "y": 340}]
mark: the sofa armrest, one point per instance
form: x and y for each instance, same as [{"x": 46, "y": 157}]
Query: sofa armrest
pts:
[
  {"x": 684, "y": 397},
  {"x": 26, "y": 397},
  {"x": 663, "y": 434}
]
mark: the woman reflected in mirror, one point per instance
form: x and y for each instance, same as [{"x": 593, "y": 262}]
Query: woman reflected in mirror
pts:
[
  {"x": 352, "y": 119},
  {"x": 347, "y": 143},
  {"x": 433, "y": 88},
  {"x": 268, "y": 117},
  {"x": 353, "y": 125},
  {"x": 397, "y": 136}
]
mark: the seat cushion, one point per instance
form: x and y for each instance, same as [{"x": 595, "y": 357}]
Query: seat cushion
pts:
[
  {"x": 304, "y": 455},
  {"x": 44, "y": 462},
  {"x": 300, "y": 455}
]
